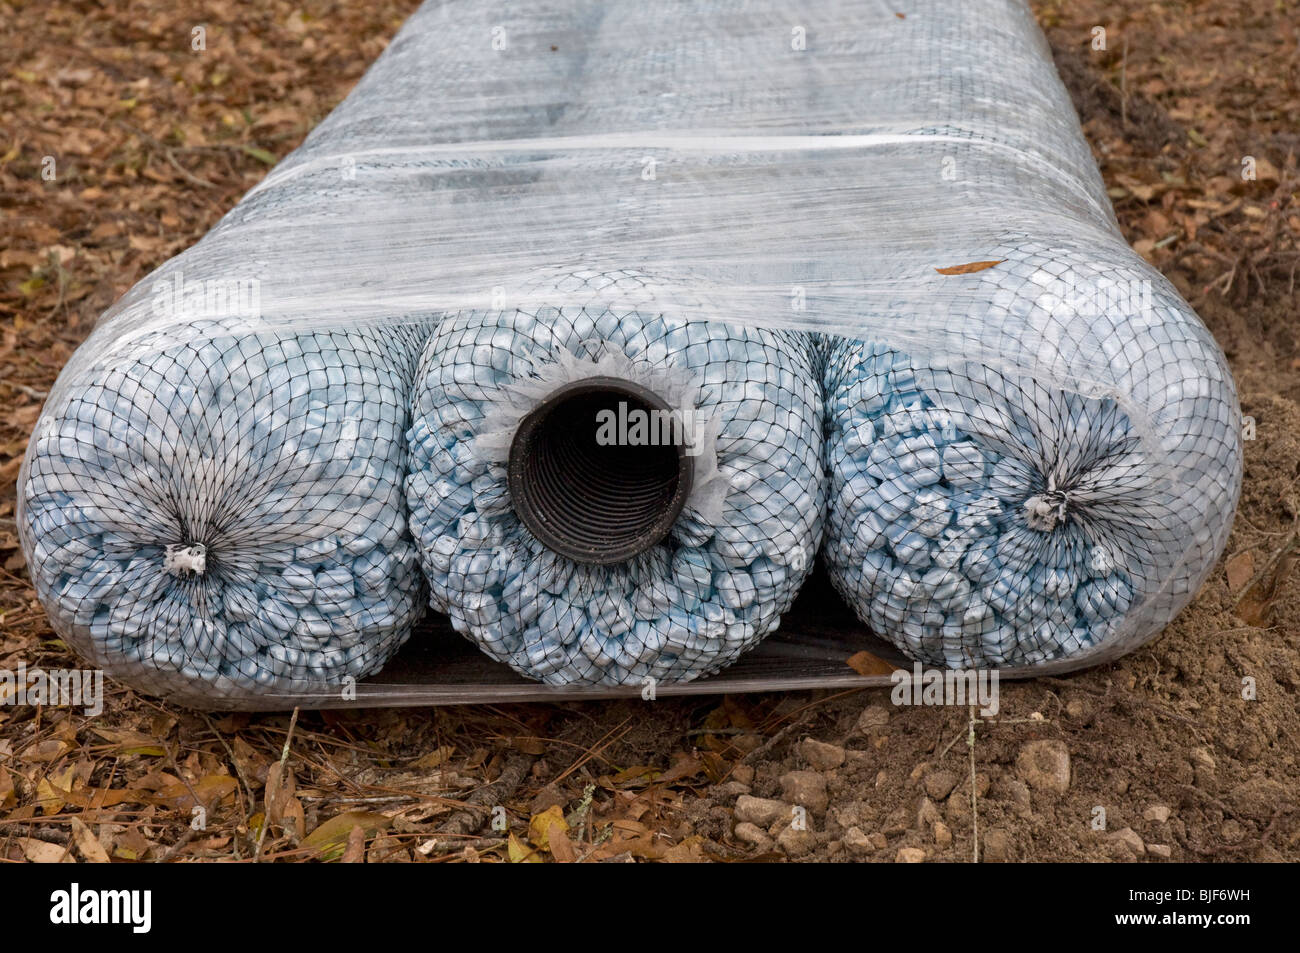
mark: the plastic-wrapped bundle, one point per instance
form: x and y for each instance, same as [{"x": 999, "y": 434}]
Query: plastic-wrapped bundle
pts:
[
  {"x": 761, "y": 174},
  {"x": 575, "y": 547}
]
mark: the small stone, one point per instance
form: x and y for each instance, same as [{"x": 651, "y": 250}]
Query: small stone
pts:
[
  {"x": 939, "y": 784},
  {"x": 857, "y": 759},
  {"x": 1017, "y": 792},
  {"x": 997, "y": 846},
  {"x": 754, "y": 836},
  {"x": 733, "y": 789},
  {"x": 1156, "y": 813},
  {"x": 761, "y": 810},
  {"x": 1077, "y": 709},
  {"x": 1045, "y": 766},
  {"x": 1232, "y": 831},
  {"x": 957, "y": 806},
  {"x": 872, "y": 717},
  {"x": 1203, "y": 768},
  {"x": 919, "y": 771},
  {"x": 806, "y": 788},
  {"x": 942, "y": 835},
  {"x": 744, "y": 773},
  {"x": 796, "y": 843},
  {"x": 910, "y": 855},
  {"x": 927, "y": 814},
  {"x": 879, "y": 841},
  {"x": 820, "y": 755},
  {"x": 857, "y": 842},
  {"x": 1159, "y": 850},
  {"x": 1130, "y": 839}
]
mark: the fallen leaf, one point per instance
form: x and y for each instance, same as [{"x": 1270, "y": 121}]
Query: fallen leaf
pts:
[
  {"x": 261, "y": 155},
  {"x": 41, "y": 852},
  {"x": 130, "y": 742},
  {"x": 331, "y": 838},
  {"x": 520, "y": 853},
  {"x": 355, "y": 852},
  {"x": 208, "y": 791},
  {"x": 1255, "y": 605},
  {"x": 434, "y": 758},
  {"x": 51, "y": 795},
  {"x": 864, "y": 663},
  {"x": 969, "y": 268},
  {"x": 88, "y": 845},
  {"x": 561, "y": 847},
  {"x": 689, "y": 851},
  {"x": 539, "y": 828}
]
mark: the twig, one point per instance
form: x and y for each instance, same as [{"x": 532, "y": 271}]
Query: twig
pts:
[
  {"x": 464, "y": 822},
  {"x": 284, "y": 759},
  {"x": 1123, "y": 84},
  {"x": 974, "y": 813},
  {"x": 777, "y": 738},
  {"x": 177, "y": 847}
]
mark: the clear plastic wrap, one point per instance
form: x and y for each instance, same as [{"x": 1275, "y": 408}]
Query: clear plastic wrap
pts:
[{"x": 808, "y": 175}]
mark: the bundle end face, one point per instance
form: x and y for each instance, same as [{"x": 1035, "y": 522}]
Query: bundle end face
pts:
[
  {"x": 735, "y": 552},
  {"x": 218, "y": 518}
]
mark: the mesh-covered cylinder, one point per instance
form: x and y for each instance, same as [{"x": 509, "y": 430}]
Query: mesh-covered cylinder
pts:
[
  {"x": 983, "y": 515},
  {"x": 734, "y": 557},
  {"x": 220, "y": 518}
]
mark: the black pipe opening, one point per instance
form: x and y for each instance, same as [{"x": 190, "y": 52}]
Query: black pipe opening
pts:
[{"x": 589, "y": 497}]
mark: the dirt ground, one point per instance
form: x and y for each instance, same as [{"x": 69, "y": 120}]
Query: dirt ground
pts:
[{"x": 152, "y": 141}]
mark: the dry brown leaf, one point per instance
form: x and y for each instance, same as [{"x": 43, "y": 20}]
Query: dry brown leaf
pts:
[
  {"x": 88, "y": 845},
  {"x": 42, "y": 852},
  {"x": 355, "y": 852},
  {"x": 969, "y": 268},
  {"x": 52, "y": 791},
  {"x": 1255, "y": 605},
  {"x": 562, "y": 848},
  {"x": 332, "y": 838},
  {"x": 127, "y": 742},
  {"x": 434, "y": 758},
  {"x": 208, "y": 790},
  {"x": 521, "y": 853},
  {"x": 541, "y": 825},
  {"x": 864, "y": 663},
  {"x": 689, "y": 851}
]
